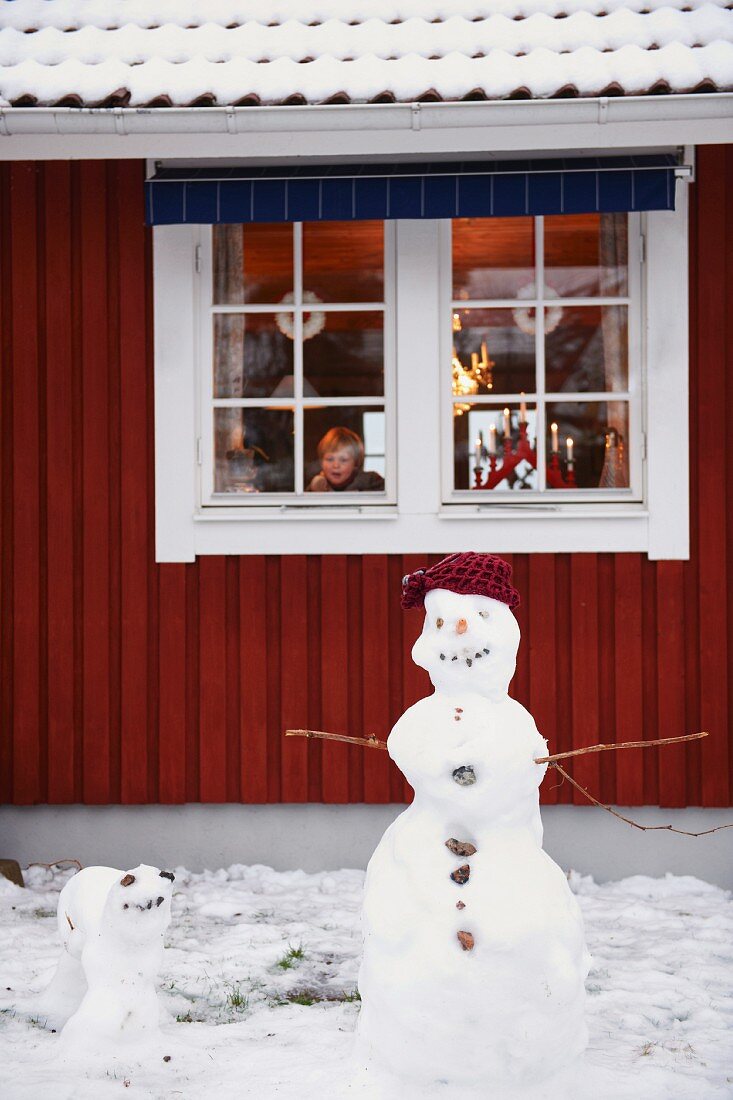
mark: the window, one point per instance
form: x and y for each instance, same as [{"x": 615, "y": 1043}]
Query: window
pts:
[
  {"x": 268, "y": 337},
  {"x": 297, "y": 365},
  {"x": 543, "y": 400}
]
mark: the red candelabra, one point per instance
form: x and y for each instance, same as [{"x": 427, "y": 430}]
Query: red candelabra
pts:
[
  {"x": 555, "y": 479},
  {"x": 523, "y": 452}
]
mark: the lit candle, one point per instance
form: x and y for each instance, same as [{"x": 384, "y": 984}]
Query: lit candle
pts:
[
  {"x": 474, "y": 361},
  {"x": 569, "y": 451},
  {"x": 522, "y": 409},
  {"x": 555, "y": 444},
  {"x": 478, "y": 448},
  {"x": 484, "y": 354},
  {"x": 507, "y": 424},
  {"x": 492, "y": 439}
]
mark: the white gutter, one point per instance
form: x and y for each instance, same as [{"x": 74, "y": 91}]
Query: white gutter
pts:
[{"x": 366, "y": 129}]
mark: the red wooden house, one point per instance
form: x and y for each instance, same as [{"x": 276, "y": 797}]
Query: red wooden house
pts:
[{"x": 454, "y": 251}]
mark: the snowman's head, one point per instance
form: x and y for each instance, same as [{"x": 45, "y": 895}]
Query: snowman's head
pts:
[
  {"x": 468, "y": 643},
  {"x": 138, "y": 905}
]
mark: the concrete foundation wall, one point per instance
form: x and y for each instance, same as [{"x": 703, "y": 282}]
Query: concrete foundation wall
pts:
[{"x": 317, "y": 837}]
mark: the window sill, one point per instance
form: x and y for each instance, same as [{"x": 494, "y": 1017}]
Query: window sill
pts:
[
  {"x": 299, "y": 513},
  {"x": 500, "y": 530},
  {"x": 565, "y": 512}
]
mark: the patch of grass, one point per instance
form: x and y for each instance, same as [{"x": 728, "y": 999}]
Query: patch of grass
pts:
[
  {"x": 303, "y": 998},
  {"x": 318, "y": 996},
  {"x": 43, "y": 914},
  {"x": 41, "y": 1022},
  {"x": 186, "y": 1018},
  {"x": 291, "y": 956},
  {"x": 236, "y": 1000},
  {"x": 646, "y": 1050}
]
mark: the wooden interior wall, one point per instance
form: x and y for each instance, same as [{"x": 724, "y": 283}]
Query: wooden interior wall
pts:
[{"x": 123, "y": 681}]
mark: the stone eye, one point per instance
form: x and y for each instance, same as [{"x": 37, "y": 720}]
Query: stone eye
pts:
[
  {"x": 438, "y": 623},
  {"x": 484, "y": 614}
]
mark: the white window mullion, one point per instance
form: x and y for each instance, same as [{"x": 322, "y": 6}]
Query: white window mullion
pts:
[
  {"x": 637, "y": 383},
  {"x": 539, "y": 345},
  {"x": 511, "y": 303},
  {"x": 323, "y": 307},
  {"x": 298, "y": 437},
  {"x": 446, "y": 342},
  {"x": 389, "y": 401},
  {"x": 422, "y": 366},
  {"x": 206, "y": 359}
]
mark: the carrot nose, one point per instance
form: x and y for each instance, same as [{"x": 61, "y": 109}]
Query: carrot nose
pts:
[{"x": 461, "y": 626}]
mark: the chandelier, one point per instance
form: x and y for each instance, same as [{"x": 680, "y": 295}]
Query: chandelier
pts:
[{"x": 466, "y": 380}]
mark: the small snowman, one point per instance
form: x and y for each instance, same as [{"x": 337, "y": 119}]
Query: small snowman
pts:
[
  {"x": 474, "y": 955},
  {"x": 112, "y": 924}
]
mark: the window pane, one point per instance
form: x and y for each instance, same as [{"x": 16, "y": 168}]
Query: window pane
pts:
[
  {"x": 492, "y": 352},
  {"x": 346, "y": 358},
  {"x": 500, "y": 442},
  {"x": 252, "y": 263},
  {"x": 344, "y": 449},
  {"x": 252, "y": 356},
  {"x": 253, "y": 451},
  {"x": 492, "y": 257},
  {"x": 599, "y": 450},
  {"x": 587, "y": 349},
  {"x": 586, "y": 255},
  {"x": 344, "y": 261}
]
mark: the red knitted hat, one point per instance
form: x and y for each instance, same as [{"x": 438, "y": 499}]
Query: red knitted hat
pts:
[{"x": 467, "y": 574}]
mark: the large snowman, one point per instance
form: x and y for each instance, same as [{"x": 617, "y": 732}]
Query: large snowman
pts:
[{"x": 474, "y": 956}]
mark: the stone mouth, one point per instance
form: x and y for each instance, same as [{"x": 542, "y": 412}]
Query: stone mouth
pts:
[
  {"x": 145, "y": 906},
  {"x": 466, "y": 654}
]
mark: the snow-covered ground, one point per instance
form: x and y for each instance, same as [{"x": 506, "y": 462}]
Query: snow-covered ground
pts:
[{"x": 259, "y": 994}]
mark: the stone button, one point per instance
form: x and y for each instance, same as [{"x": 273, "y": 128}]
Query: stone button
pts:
[
  {"x": 460, "y": 847},
  {"x": 461, "y": 875},
  {"x": 464, "y": 776}
]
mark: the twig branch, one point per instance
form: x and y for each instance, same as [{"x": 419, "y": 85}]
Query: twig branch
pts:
[
  {"x": 634, "y": 824},
  {"x": 374, "y": 743},
  {"x": 622, "y": 745},
  {"x": 370, "y": 742},
  {"x": 57, "y": 863}
]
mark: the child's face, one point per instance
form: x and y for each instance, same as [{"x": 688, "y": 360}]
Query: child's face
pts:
[{"x": 338, "y": 466}]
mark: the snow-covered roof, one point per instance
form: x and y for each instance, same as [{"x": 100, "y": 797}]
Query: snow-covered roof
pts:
[{"x": 241, "y": 52}]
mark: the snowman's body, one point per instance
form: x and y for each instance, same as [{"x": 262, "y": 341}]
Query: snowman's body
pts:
[
  {"x": 111, "y": 925},
  {"x": 479, "y": 979}
]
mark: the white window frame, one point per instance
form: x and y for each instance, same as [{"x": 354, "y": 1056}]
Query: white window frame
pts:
[
  {"x": 220, "y": 503},
  {"x": 658, "y": 524},
  {"x": 454, "y": 499}
]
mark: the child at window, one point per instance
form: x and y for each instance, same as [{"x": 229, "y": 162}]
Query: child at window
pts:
[{"x": 341, "y": 454}]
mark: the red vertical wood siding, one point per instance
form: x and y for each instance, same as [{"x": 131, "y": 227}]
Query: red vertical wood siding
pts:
[
  {"x": 26, "y": 247},
  {"x": 127, "y": 681},
  {"x": 335, "y": 626},
  {"x": 59, "y": 480}
]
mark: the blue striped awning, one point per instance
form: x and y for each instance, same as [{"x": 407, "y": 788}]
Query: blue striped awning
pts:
[{"x": 206, "y": 195}]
